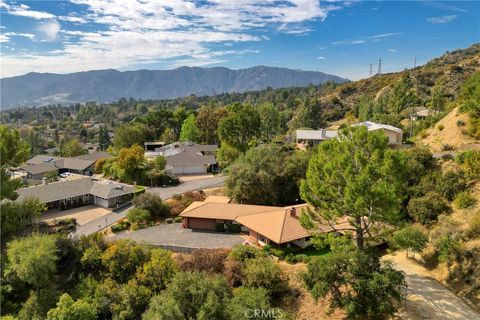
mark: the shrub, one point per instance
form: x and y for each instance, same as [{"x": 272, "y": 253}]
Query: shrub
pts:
[
  {"x": 178, "y": 219},
  {"x": 232, "y": 271},
  {"x": 153, "y": 204},
  {"x": 473, "y": 230},
  {"x": 249, "y": 299},
  {"x": 265, "y": 273},
  {"x": 464, "y": 200},
  {"x": 447, "y": 157},
  {"x": 169, "y": 220},
  {"x": 447, "y": 147},
  {"x": 410, "y": 238},
  {"x": 440, "y": 127},
  {"x": 139, "y": 217},
  {"x": 448, "y": 247},
  {"x": 62, "y": 206},
  {"x": 242, "y": 253},
  {"x": 427, "y": 208},
  {"x": 219, "y": 227},
  {"x": 460, "y": 123},
  {"x": 233, "y": 228},
  {"x": 209, "y": 260}
]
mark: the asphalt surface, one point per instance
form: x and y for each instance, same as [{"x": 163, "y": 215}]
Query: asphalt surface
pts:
[
  {"x": 174, "y": 235},
  {"x": 164, "y": 193}
]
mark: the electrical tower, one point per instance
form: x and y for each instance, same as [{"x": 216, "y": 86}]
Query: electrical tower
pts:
[
  {"x": 379, "y": 66},
  {"x": 371, "y": 70},
  {"x": 414, "y": 62}
]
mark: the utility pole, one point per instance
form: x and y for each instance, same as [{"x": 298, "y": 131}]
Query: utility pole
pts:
[
  {"x": 379, "y": 66},
  {"x": 414, "y": 62},
  {"x": 371, "y": 70}
]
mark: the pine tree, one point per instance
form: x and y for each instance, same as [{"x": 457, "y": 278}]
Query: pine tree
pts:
[{"x": 103, "y": 139}]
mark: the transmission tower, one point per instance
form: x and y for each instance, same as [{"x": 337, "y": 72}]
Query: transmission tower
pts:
[
  {"x": 371, "y": 70},
  {"x": 414, "y": 62},
  {"x": 379, "y": 66}
]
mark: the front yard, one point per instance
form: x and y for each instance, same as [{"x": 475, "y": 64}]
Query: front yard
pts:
[{"x": 82, "y": 215}]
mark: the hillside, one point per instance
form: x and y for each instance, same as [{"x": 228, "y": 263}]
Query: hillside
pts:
[
  {"x": 110, "y": 85},
  {"x": 449, "y": 131}
]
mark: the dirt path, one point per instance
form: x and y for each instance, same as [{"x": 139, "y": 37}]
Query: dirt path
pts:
[{"x": 426, "y": 297}]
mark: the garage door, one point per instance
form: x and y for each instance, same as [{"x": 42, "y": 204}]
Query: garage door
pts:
[
  {"x": 188, "y": 169},
  {"x": 199, "y": 223}
]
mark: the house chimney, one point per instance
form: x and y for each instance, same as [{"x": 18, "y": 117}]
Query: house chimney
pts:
[{"x": 293, "y": 212}]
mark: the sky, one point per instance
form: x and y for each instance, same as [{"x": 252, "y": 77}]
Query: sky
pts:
[{"x": 336, "y": 37}]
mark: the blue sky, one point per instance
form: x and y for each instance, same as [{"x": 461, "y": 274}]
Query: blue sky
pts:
[{"x": 336, "y": 37}]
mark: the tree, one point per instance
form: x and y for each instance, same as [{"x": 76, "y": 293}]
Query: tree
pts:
[
  {"x": 72, "y": 148},
  {"x": 410, "y": 238},
  {"x": 33, "y": 259},
  {"x": 270, "y": 120},
  {"x": 357, "y": 282},
  {"x": 267, "y": 175},
  {"x": 68, "y": 309},
  {"x": 158, "y": 271},
  {"x": 128, "y": 165},
  {"x": 168, "y": 135},
  {"x": 17, "y": 215},
  {"x": 208, "y": 118},
  {"x": 438, "y": 101},
  {"x": 311, "y": 115},
  {"x": 227, "y": 154},
  {"x": 401, "y": 96},
  {"x": 103, "y": 138},
  {"x": 138, "y": 216},
  {"x": 265, "y": 273},
  {"x": 190, "y": 131},
  {"x": 127, "y": 135},
  {"x": 427, "y": 208},
  {"x": 191, "y": 295},
  {"x": 240, "y": 127},
  {"x": 246, "y": 300},
  {"x": 123, "y": 258},
  {"x": 354, "y": 176},
  {"x": 152, "y": 203},
  {"x": 469, "y": 100}
]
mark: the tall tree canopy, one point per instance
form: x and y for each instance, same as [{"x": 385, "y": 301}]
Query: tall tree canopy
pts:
[
  {"x": 357, "y": 176},
  {"x": 241, "y": 126},
  {"x": 190, "y": 131},
  {"x": 208, "y": 118}
]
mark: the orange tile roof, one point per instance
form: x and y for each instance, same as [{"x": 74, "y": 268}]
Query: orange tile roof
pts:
[{"x": 222, "y": 211}]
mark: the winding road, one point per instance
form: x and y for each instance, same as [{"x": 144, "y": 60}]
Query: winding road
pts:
[{"x": 164, "y": 193}]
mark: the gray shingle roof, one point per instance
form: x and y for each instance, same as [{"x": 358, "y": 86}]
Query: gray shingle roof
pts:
[
  {"x": 39, "y": 168},
  {"x": 94, "y": 156},
  {"x": 41, "y": 159},
  {"x": 73, "y": 164},
  {"x": 67, "y": 189},
  {"x": 187, "y": 153}
]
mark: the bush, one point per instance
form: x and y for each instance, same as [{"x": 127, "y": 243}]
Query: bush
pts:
[
  {"x": 265, "y": 273},
  {"x": 233, "y": 228},
  {"x": 410, "y": 238},
  {"x": 169, "y": 220},
  {"x": 447, "y": 147},
  {"x": 219, "y": 227},
  {"x": 178, "y": 219},
  {"x": 448, "y": 248},
  {"x": 249, "y": 299},
  {"x": 473, "y": 230},
  {"x": 460, "y": 123},
  {"x": 464, "y": 200},
  {"x": 426, "y": 209},
  {"x": 62, "y": 206},
  {"x": 153, "y": 204},
  {"x": 440, "y": 127},
  {"x": 207, "y": 260},
  {"x": 241, "y": 253},
  {"x": 139, "y": 217},
  {"x": 232, "y": 271}
]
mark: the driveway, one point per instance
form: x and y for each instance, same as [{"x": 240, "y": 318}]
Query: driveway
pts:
[
  {"x": 174, "y": 235},
  {"x": 83, "y": 215},
  {"x": 426, "y": 297},
  {"x": 102, "y": 222},
  {"x": 193, "y": 185}
]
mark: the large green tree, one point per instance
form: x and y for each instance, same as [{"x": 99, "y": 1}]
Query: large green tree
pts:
[
  {"x": 68, "y": 309},
  {"x": 126, "y": 135},
  {"x": 355, "y": 176},
  {"x": 208, "y": 118},
  {"x": 240, "y": 127},
  {"x": 267, "y": 175},
  {"x": 72, "y": 148},
  {"x": 190, "y": 131},
  {"x": 270, "y": 120}
]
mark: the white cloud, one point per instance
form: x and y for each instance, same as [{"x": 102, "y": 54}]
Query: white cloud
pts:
[
  {"x": 25, "y": 35},
  {"x": 374, "y": 38},
  {"x": 4, "y": 38},
  {"x": 49, "y": 30},
  {"x": 349, "y": 42},
  {"x": 384, "y": 35},
  {"x": 442, "y": 19},
  {"x": 173, "y": 32},
  {"x": 321, "y": 58},
  {"x": 23, "y": 10},
  {"x": 392, "y": 50}
]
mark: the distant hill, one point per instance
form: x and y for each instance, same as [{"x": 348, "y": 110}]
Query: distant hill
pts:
[{"x": 34, "y": 89}]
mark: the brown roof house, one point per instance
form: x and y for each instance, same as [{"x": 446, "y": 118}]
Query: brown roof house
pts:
[{"x": 265, "y": 224}]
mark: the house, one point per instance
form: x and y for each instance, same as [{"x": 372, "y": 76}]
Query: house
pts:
[
  {"x": 264, "y": 224},
  {"x": 106, "y": 194},
  {"x": 187, "y": 157},
  {"x": 39, "y": 166},
  {"x": 312, "y": 137}
]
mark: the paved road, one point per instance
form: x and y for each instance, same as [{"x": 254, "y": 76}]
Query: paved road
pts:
[
  {"x": 164, "y": 193},
  {"x": 426, "y": 297},
  {"x": 174, "y": 235}
]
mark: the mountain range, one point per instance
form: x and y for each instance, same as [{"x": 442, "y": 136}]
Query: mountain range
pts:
[{"x": 35, "y": 89}]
